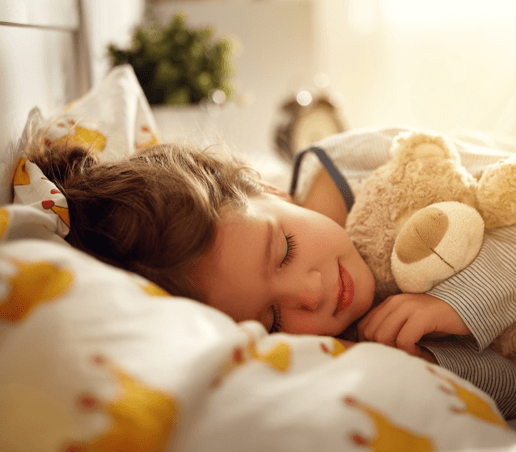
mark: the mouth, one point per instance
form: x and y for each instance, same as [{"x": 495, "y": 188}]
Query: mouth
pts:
[{"x": 346, "y": 292}]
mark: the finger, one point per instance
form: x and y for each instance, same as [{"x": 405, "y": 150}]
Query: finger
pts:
[
  {"x": 365, "y": 320},
  {"x": 372, "y": 321},
  {"x": 362, "y": 324},
  {"x": 413, "y": 330},
  {"x": 387, "y": 332}
]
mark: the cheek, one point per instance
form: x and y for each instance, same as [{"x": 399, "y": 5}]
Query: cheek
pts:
[{"x": 299, "y": 322}]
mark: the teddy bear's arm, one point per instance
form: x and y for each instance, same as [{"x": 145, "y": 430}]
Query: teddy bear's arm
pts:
[{"x": 484, "y": 293}]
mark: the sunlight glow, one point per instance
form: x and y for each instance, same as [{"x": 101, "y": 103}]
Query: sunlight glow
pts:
[
  {"x": 363, "y": 15},
  {"x": 304, "y": 98},
  {"x": 450, "y": 14}
]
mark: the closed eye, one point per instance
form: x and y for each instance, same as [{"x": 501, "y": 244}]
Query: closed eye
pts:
[
  {"x": 276, "y": 320},
  {"x": 290, "y": 254}
]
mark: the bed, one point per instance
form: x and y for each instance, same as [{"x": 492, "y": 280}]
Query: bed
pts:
[{"x": 93, "y": 358}]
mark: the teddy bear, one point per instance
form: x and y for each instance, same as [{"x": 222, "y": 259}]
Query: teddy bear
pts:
[{"x": 420, "y": 218}]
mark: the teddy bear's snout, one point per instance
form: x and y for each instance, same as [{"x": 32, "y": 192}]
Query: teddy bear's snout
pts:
[
  {"x": 421, "y": 235},
  {"x": 434, "y": 244}
]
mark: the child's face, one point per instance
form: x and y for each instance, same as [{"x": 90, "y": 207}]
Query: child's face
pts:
[{"x": 290, "y": 268}]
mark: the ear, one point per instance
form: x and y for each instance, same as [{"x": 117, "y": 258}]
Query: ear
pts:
[{"x": 271, "y": 189}]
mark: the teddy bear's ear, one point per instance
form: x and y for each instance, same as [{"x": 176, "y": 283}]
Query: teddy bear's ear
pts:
[
  {"x": 496, "y": 193},
  {"x": 412, "y": 146},
  {"x": 434, "y": 244}
]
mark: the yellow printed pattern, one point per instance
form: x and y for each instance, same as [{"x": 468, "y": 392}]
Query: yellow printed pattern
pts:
[
  {"x": 79, "y": 136},
  {"x": 62, "y": 212},
  {"x": 21, "y": 177},
  {"x": 278, "y": 357},
  {"x": 141, "y": 418},
  {"x": 388, "y": 437},
  {"x": 154, "y": 290},
  {"x": 32, "y": 284},
  {"x": 150, "y": 138},
  {"x": 4, "y": 221},
  {"x": 338, "y": 348},
  {"x": 473, "y": 404}
]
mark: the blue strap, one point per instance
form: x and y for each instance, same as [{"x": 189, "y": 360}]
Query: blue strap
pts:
[{"x": 338, "y": 178}]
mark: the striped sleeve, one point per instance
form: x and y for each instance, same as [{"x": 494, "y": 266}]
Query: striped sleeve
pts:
[
  {"x": 357, "y": 153},
  {"x": 475, "y": 156},
  {"x": 484, "y": 293},
  {"x": 488, "y": 371}
]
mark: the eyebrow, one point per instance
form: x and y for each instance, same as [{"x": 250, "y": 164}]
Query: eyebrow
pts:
[{"x": 268, "y": 246}]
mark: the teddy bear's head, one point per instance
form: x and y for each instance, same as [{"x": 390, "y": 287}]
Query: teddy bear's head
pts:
[{"x": 424, "y": 169}]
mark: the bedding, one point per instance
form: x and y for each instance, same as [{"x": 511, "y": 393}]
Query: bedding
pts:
[{"x": 93, "y": 358}]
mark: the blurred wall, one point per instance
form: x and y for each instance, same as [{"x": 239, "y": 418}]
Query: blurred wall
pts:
[
  {"x": 443, "y": 64},
  {"x": 106, "y": 22}
]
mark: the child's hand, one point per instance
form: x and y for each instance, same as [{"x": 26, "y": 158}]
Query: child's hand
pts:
[{"x": 402, "y": 320}]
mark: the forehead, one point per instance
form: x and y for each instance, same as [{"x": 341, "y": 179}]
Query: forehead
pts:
[
  {"x": 236, "y": 254},
  {"x": 238, "y": 230}
]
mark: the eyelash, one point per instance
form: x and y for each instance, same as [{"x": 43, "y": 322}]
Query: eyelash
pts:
[
  {"x": 276, "y": 313},
  {"x": 276, "y": 320},
  {"x": 291, "y": 246}
]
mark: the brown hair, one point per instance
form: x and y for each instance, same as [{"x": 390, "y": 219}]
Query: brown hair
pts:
[{"x": 152, "y": 213}]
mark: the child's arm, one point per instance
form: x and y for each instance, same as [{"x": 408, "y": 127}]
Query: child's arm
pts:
[{"x": 324, "y": 197}]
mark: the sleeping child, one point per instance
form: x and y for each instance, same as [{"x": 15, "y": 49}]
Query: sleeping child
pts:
[{"x": 202, "y": 225}]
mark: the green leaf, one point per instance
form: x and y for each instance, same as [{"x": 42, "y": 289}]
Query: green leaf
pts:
[
  {"x": 178, "y": 97},
  {"x": 167, "y": 74},
  {"x": 177, "y": 64}
]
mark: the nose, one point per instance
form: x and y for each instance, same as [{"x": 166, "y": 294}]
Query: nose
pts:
[{"x": 305, "y": 292}]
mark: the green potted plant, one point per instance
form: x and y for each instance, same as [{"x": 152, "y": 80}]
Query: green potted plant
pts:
[{"x": 177, "y": 65}]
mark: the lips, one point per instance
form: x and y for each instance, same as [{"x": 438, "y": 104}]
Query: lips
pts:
[{"x": 346, "y": 292}]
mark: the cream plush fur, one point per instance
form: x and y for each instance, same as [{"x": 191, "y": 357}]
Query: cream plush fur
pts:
[{"x": 412, "y": 248}]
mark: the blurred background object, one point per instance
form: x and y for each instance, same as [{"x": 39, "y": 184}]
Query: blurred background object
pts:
[
  {"x": 441, "y": 65},
  {"x": 179, "y": 65},
  {"x": 306, "y": 120}
]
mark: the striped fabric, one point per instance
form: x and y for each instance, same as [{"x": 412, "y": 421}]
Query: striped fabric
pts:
[
  {"x": 357, "y": 153},
  {"x": 340, "y": 181},
  {"x": 484, "y": 293},
  {"x": 486, "y": 370}
]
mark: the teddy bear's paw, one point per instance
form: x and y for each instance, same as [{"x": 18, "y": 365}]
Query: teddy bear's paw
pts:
[
  {"x": 497, "y": 194},
  {"x": 434, "y": 244},
  {"x": 415, "y": 146}
]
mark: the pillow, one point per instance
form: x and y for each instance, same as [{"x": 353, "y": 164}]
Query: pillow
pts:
[{"x": 114, "y": 118}]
